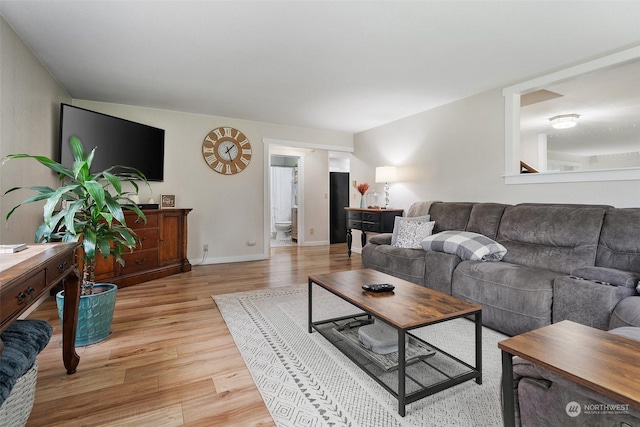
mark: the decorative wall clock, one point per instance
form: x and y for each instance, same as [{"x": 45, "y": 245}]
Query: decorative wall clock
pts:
[{"x": 226, "y": 150}]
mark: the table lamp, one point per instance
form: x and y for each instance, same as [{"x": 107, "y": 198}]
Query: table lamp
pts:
[{"x": 386, "y": 174}]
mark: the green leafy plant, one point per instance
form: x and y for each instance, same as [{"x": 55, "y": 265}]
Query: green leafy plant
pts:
[{"x": 92, "y": 208}]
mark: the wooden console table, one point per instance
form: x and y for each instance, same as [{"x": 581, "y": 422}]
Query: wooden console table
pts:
[
  {"x": 28, "y": 275},
  {"x": 596, "y": 359},
  {"x": 374, "y": 220}
]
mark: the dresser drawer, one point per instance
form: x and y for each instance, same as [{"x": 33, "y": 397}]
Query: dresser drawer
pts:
[
  {"x": 15, "y": 297},
  {"x": 354, "y": 215},
  {"x": 55, "y": 269},
  {"x": 356, "y": 225},
  {"x": 139, "y": 261},
  {"x": 136, "y": 223},
  {"x": 370, "y": 226},
  {"x": 371, "y": 216},
  {"x": 148, "y": 239}
]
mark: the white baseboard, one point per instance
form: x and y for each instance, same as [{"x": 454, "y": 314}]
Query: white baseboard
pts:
[
  {"x": 316, "y": 243},
  {"x": 222, "y": 260}
]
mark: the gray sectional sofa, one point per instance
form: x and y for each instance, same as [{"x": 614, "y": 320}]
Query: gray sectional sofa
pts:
[{"x": 563, "y": 262}]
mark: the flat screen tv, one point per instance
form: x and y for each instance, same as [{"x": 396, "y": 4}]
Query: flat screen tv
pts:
[{"x": 119, "y": 142}]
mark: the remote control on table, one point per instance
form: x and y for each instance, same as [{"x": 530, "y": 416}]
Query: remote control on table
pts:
[{"x": 379, "y": 287}]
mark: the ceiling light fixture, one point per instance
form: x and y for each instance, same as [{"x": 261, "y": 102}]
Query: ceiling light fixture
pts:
[{"x": 564, "y": 121}]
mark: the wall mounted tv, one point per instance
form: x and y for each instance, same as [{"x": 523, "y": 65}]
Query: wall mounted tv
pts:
[{"x": 118, "y": 141}]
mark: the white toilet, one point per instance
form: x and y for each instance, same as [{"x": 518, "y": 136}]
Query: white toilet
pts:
[{"x": 282, "y": 230}]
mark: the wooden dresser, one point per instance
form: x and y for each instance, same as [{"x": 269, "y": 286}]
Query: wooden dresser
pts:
[{"x": 162, "y": 250}]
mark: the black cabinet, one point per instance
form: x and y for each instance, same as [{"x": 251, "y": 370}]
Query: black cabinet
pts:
[{"x": 372, "y": 220}]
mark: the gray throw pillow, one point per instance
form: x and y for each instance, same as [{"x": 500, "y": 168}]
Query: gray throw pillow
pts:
[{"x": 399, "y": 219}]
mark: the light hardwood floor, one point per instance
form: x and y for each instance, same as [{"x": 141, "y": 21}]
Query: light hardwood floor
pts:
[{"x": 170, "y": 360}]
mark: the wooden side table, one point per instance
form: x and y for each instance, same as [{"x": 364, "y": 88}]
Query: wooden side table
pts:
[
  {"x": 26, "y": 276},
  {"x": 373, "y": 220},
  {"x": 596, "y": 359}
]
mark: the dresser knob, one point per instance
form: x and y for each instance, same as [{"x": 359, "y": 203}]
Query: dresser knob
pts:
[
  {"x": 21, "y": 297},
  {"x": 62, "y": 266},
  {"x": 140, "y": 261}
]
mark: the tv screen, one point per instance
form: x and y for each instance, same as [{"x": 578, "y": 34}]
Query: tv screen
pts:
[{"x": 118, "y": 142}]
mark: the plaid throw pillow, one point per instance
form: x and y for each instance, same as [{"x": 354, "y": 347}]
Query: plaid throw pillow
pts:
[{"x": 467, "y": 245}]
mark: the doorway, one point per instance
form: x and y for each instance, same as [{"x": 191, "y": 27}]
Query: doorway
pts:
[
  {"x": 284, "y": 200},
  {"x": 338, "y": 200}
]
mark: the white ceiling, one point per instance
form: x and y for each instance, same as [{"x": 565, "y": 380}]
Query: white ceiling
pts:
[{"x": 341, "y": 65}]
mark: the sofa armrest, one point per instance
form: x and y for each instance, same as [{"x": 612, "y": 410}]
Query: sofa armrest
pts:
[
  {"x": 626, "y": 313},
  {"x": 628, "y": 279},
  {"x": 586, "y": 301},
  {"x": 381, "y": 239}
]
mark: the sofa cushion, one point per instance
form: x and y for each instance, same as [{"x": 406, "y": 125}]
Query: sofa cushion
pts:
[
  {"x": 551, "y": 237},
  {"x": 514, "y": 298},
  {"x": 450, "y": 215},
  {"x": 466, "y": 245},
  {"x": 619, "y": 245},
  {"x": 485, "y": 218},
  {"x": 396, "y": 224},
  {"x": 419, "y": 208},
  {"x": 406, "y": 264}
]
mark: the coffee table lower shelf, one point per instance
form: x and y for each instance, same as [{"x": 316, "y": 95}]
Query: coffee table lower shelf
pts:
[{"x": 424, "y": 375}]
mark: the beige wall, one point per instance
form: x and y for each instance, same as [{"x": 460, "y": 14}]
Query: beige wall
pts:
[
  {"x": 456, "y": 153},
  {"x": 229, "y": 211},
  {"x": 29, "y": 113}
]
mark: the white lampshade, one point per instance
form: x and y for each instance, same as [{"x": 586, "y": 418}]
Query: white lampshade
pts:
[
  {"x": 386, "y": 174},
  {"x": 564, "y": 121}
]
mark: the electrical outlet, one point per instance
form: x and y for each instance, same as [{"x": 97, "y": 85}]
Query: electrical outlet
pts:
[
  {"x": 205, "y": 247},
  {"x": 311, "y": 230}
]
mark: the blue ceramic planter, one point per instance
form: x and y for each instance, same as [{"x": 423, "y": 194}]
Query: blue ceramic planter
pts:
[{"x": 95, "y": 314}]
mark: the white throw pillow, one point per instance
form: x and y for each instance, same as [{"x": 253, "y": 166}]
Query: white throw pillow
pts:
[
  {"x": 399, "y": 219},
  {"x": 411, "y": 233}
]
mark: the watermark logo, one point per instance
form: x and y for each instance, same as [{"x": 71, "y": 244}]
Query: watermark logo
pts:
[{"x": 573, "y": 409}]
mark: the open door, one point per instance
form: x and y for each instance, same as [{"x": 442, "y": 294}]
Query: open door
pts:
[{"x": 338, "y": 200}]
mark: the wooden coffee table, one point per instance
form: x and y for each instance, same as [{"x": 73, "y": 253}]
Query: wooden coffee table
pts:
[
  {"x": 601, "y": 361},
  {"x": 408, "y": 307}
]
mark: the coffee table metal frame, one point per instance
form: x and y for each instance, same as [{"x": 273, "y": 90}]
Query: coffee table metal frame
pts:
[{"x": 475, "y": 372}]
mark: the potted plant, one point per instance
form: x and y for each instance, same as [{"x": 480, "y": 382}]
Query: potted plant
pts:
[{"x": 91, "y": 211}]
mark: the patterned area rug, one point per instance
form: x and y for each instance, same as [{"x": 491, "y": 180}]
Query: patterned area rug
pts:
[{"x": 305, "y": 381}]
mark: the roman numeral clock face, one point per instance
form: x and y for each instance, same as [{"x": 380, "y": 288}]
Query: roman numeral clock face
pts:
[{"x": 226, "y": 150}]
